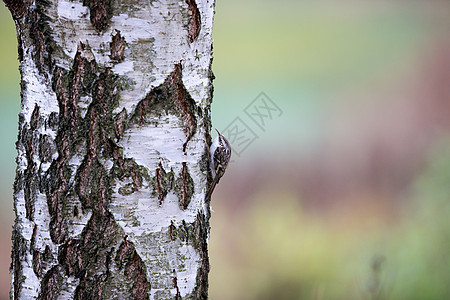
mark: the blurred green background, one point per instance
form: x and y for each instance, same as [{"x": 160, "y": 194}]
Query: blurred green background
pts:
[{"x": 346, "y": 195}]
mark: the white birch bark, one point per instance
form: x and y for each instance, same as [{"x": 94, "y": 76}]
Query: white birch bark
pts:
[{"x": 112, "y": 164}]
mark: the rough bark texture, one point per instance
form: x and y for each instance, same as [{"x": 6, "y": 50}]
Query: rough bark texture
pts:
[{"x": 113, "y": 143}]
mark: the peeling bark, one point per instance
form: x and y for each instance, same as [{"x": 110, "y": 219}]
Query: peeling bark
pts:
[{"x": 112, "y": 149}]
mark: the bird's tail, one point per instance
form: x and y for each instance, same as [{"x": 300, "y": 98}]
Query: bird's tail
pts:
[{"x": 211, "y": 188}]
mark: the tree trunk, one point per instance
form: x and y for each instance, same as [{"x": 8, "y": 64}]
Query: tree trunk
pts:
[{"x": 112, "y": 164}]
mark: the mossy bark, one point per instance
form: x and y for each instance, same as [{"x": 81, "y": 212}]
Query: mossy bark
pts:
[{"x": 112, "y": 149}]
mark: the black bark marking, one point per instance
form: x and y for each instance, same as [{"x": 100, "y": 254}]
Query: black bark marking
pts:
[
  {"x": 184, "y": 187},
  {"x": 171, "y": 231},
  {"x": 85, "y": 258},
  {"x": 40, "y": 33},
  {"x": 35, "y": 118},
  {"x": 39, "y": 45},
  {"x": 185, "y": 103},
  {"x": 56, "y": 187},
  {"x": 194, "y": 20},
  {"x": 37, "y": 266},
  {"x": 91, "y": 185},
  {"x": 33, "y": 237},
  {"x": 119, "y": 123},
  {"x": 31, "y": 180},
  {"x": 100, "y": 12},
  {"x": 175, "y": 286},
  {"x": 128, "y": 259},
  {"x": 50, "y": 284},
  {"x": 117, "y": 47},
  {"x": 163, "y": 182},
  {"x": 170, "y": 97},
  {"x": 46, "y": 148},
  {"x": 82, "y": 78},
  {"x": 36, "y": 261},
  {"x": 201, "y": 227},
  {"x": 19, "y": 251}
]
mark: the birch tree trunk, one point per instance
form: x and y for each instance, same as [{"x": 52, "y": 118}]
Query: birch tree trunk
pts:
[{"x": 112, "y": 163}]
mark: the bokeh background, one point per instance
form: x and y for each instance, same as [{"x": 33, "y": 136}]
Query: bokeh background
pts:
[{"x": 346, "y": 195}]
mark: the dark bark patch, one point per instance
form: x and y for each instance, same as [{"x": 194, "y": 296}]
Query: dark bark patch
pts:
[
  {"x": 134, "y": 268},
  {"x": 58, "y": 228},
  {"x": 124, "y": 253},
  {"x": 50, "y": 284},
  {"x": 70, "y": 258},
  {"x": 37, "y": 266},
  {"x": 92, "y": 186},
  {"x": 35, "y": 118},
  {"x": 39, "y": 43},
  {"x": 184, "y": 187},
  {"x": 33, "y": 237},
  {"x": 46, "y": 148},
  {"x": 31, "y": 183},
  {"x": 55, "y": 185},
  {"x": 194, "y": 20},
  {"x": 162, "y": 183},
  {"x": 90, "y": 287},
  {"x": 172, "y": 231},
  {"x": 66, "y": 111},
  {"x": 185, "y": 104},
  {"x": 100, "y": 12},
  {"x": 19, "y": 251},
  {"x": 117, "y": 47},
  {"x": 99, "y": 232},
  {"x": 18, "y": 182},
  {"x": 91, "y": 180},
  {"x": 201, "y": 227},
  {"x": 119, "y": 123},
  {"x": 82, "y": 77},
  {"x": 175, "y": 286},
  {"x": 100, "y": 121},
  {"x": 52, "y": 121},
  {"x": 18, "y": 8},
  {"x": 135, "y": 271}
]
